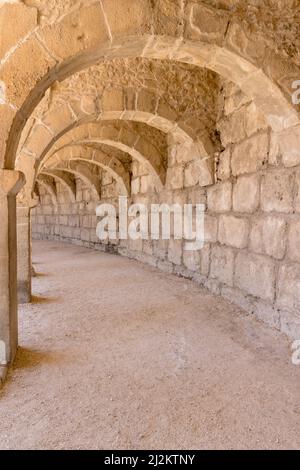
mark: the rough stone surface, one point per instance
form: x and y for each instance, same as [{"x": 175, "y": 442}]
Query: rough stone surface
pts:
[
  {"x": 255, "y": 274},
  {"x": 222, "y": 264},
  {"x": 294, "y": 241},
  {"x": 289, "y": 287},
  {"x": 251, "y": 155},
  {"x": 268, "y": 235},
  {"x": 246, "y": 194},
  {"x": 277, "y": 192},
  {"x": 219, "y": 197},
  {"x": 233, "y": 231}
]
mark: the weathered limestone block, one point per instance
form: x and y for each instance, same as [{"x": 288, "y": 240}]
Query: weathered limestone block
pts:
[
  {"x": 63, "y": 220},
  {"x": 238, "y": 41},
  {"x": 199, "y": 172},
  {"x": 108, "y": 191},
  {"x": 175, "y": 177},
  {"x": 213, "y": 285},
  {"x": 106, "y": 178},
  {"x": 166, "y": 112},
  {"x": 206, "y": 23},
  {"x": 290, "y": 324},
  {"x": 59, "y": 118},
  {"x": 78, "y": 31},
  {"x": 210, "y": 228},
  {"x": 288, "y": 296},
  {"x": 175, "y": 251},
  {"x": 246, "y": 194},
  {"x": 234, "y": 101},
  {"x": 147, "y": 100},
  {"x": 66, "y": 232},
  {"x": 222, "y": 264},
  {"x": 205, "y": 259},
  {"x": 145, "y": 184},
  {"x": 74, "y": 220},
  {"x": 38, "y": 139},
  {"x": 250, "y": 155},
  {"x": 85, "y": 235},
  {"x": 148, "y": 247},
  {"x": 219, "y": 197},
  {"x": 277, "y": 192},
  {"x": 265, "y": 312},
  {"x": 294, "y": 241},
  {"x": 75, "y": 233},
  {"x": 179, "y": 197},
  {"x": 135, "y": 185},
  {"x": 233, "y": 128},
  {"x": 135, "y": 169},
  {"x": 238, "y": 297},
  {"x": 191, "y": 260},
  {"x": 86, "y": 221},
  {"x": 255, "y": 274},
  {"x": 224, "y": 164},
  {"x": 135, "y": 245},
  {"x": 275, "y": 152},
  {"x": 30, "y": 60},
  {"x": 289, "y": 142},
  {"x": 233, "y": 231},
  {"x": 196, "y": 196},
  {"x": 254, "y": 120},
  {"x": 160, "y": 248},
  {"x": 86, "y": 194},
  {"x": 113, "y": 100},
  {"x": 128, "y": 17},
  {"x": 183, "y": 153},
  {"x": 268, "y": 236},
  {"x": 271, "y": 103},
  {"x": 167, "y": 17},
  {"x": 130, "y": 94},
  {"x": 22, "y": 19},
  {"x": 297, "y": 192},
  {"x": 142, "y": 170},
  {"x": 165, "y": 266}
]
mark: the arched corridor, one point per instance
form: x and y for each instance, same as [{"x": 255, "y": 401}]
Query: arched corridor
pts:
[
  {"x": 118, "y": 355},
  {"x": 150, "y": 156}
]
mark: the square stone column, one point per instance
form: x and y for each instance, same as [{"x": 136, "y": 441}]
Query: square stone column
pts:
[
  {"x": 10, "y": 184},
  {"x": 24, "y": 252}
]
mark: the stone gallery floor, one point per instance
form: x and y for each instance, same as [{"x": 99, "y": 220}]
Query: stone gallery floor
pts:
[{"x": 114, "y": 354}]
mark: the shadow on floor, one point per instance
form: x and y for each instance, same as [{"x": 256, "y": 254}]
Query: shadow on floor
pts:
[
  {"x": 28, "y": 358},
  {"x": 35, "y": 299},
  {"x": 31, "y": 359},
  {"x": 36, "y": 274}
]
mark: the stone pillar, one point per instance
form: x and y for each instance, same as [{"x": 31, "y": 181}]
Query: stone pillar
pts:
[
  {"x": 10, "y": 184},
  {"x": 24, "y": 251}
]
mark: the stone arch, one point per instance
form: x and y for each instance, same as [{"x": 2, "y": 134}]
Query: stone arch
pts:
[
  {"x": 65, "y": 179},
  {"x": 126, "y": 140},
  {"x": 82, "y": 171},
  {"x": 78, "y": 153},
  {"x": 48, "y": 183},
  {"x": 44, "y": 134},
  {"x": 253, "y": 82}
]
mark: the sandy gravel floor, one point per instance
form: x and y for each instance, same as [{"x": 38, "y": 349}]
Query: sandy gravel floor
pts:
[{"x": 117, "y": 355}]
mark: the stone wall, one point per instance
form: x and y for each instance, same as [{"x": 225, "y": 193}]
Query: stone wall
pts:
[{"x": 252, "y": 230}]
